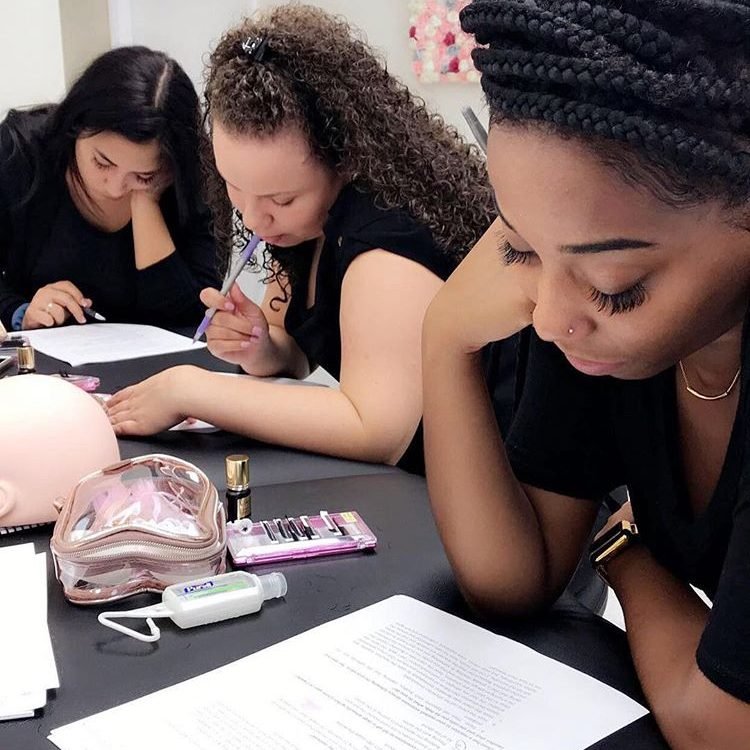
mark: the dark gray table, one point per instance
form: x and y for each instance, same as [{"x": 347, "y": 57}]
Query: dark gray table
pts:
[
  {"x": 100, "y": 669},
  {"x": 268, "y": 464}
]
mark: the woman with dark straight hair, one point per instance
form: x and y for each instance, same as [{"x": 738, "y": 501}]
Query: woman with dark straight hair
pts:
[{"x": 100, "y": 200}]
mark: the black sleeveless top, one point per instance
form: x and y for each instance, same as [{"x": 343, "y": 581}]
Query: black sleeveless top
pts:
[{"x": 354, "y": 226}]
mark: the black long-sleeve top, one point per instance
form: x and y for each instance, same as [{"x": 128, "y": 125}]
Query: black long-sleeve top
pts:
[{"x": 46, "y": 240}]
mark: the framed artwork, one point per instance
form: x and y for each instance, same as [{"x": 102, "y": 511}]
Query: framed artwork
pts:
[{"x": 441, "y": 51}]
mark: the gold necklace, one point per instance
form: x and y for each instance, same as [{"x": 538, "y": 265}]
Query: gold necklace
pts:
[{"x": 703, "y": 396}]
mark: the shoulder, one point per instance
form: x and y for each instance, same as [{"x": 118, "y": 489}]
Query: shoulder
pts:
[
  {"x": 21, "y": 141},
  {"x": 22, "y": 132},
  {"x": 357, "y": 223}
]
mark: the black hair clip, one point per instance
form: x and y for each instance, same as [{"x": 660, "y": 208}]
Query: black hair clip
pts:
[{"x": 255, "y": 47}]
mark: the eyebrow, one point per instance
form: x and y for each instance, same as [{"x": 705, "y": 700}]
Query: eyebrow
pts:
[
  {"x": 605, "y": 246},
  {"x": 109, "y": 161},
  {"x": 620, "y": 243}
]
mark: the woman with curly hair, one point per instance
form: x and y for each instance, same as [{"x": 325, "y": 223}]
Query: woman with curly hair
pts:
[
  {"x": 366, "y": 202},
  {"x": 619, "y": 153}
]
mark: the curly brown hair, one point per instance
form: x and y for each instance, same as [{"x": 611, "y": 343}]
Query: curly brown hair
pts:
[{"x": 316, "y": 74}]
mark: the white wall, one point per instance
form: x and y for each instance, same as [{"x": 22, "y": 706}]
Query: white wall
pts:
[
  {"x": 85, "y": 34},
  {"x": 31, "y": 55},
  {"x": 185, "y": 29},
  {"x": 33, "y": 68}
]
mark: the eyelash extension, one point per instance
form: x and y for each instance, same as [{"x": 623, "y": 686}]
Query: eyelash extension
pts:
[
  {"x": 614, "y": 304},
  {"x": 101, "y": 165},
  {"x": 145, "y": 180},
  {"x": 621, "y": 302},
  {"x": 511, "y": 255}
]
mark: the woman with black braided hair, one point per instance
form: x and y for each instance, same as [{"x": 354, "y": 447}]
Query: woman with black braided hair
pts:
[
  {"x": 367, "y": 203},
  {"x": 619, "y": 153}
]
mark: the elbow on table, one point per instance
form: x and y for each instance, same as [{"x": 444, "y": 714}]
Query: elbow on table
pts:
[
  {"x": 384, "y": 447},
  {"x": 380, "y": 454},
  {"x": 516, "y": 597}
]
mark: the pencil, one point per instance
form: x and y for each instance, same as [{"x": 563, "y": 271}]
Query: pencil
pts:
[{"x": 242, "y": 261}]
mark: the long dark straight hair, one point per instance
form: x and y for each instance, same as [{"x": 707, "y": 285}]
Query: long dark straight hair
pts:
[{"x": 136, "y": 92}]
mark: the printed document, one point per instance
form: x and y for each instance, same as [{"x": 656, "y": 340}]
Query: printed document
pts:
[
  {"x": 398, "y": 674},
  {"x": 107, "y": 342}
]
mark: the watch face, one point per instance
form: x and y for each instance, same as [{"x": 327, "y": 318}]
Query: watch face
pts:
[{"x": 612, "y": 542}]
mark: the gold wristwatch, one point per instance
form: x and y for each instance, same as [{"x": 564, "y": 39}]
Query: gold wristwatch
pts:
[{"x": 617, "y": 539}]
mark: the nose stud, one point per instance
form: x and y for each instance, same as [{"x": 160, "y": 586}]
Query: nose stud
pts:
[{"x": 571, "y": 331}]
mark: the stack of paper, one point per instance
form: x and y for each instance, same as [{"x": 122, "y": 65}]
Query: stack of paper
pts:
[
  {"x": 28, "y": 668},
  {"x": 399, "y": 674},
  {"x": 107, "y": 342}
]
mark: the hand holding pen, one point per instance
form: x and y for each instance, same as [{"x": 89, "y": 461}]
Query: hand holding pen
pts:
[
  {"x": 54, "y": 303},
  {"x": 242, "y": 261},
  {"x": 239, "y": 331}
]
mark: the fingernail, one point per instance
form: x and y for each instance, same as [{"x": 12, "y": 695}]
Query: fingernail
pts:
[
  {"x": 256, "y": 331},
  {"x": 229, "y": 306},
  {"x": 244, "y": 345}
]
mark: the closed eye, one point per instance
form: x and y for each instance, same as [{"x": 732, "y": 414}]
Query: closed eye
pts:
[
  {"x": 622, "y": 302},
  {"x": 613, "y": 304},
  {"x": 511, "y": 255}
]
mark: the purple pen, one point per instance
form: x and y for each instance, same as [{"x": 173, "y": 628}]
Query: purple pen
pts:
[{"x": 245, "y": 256}]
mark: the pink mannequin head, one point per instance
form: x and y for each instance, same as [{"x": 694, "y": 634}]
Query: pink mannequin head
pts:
[{"x": 52, "y": 434}]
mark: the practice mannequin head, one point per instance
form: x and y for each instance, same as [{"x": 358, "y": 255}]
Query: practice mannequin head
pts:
[{"x": 51, "y": 435}]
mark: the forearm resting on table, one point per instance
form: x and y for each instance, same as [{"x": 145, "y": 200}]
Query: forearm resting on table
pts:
[
  {"x": 310, "y": 418},
  {"x": 488, "y": 525},
  {"x": 285, "y": 358},
  {"x": 665, "y": 619}
]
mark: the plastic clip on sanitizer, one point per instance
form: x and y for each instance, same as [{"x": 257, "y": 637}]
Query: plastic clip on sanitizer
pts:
[{"x": 200, "y": 602}]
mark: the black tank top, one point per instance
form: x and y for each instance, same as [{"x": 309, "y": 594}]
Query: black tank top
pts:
[{"x": 354, "y": 226}]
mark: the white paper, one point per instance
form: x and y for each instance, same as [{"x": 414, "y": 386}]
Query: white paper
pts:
[
  {"x": 107, "y": 342},
  {"x": 28, "y": 662},
  {"x": 399, "y": 674},
  {"x": 23, "y": 705}
]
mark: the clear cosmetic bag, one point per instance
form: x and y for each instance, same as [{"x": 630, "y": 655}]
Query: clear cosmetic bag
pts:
[{"x": 139, "y": 525}]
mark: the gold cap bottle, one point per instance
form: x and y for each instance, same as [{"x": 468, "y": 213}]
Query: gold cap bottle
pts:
[
  {"x": 237, "y": 467},
  {"x": 26, "y": 360},
  {"x": 239, "y": 494}
]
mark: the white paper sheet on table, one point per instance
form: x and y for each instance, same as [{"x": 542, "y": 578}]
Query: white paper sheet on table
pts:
[
  {"x": 27, "y": 662},
  {"x": 107, "y": 342},
  {"x": 398, "y": 674}
]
